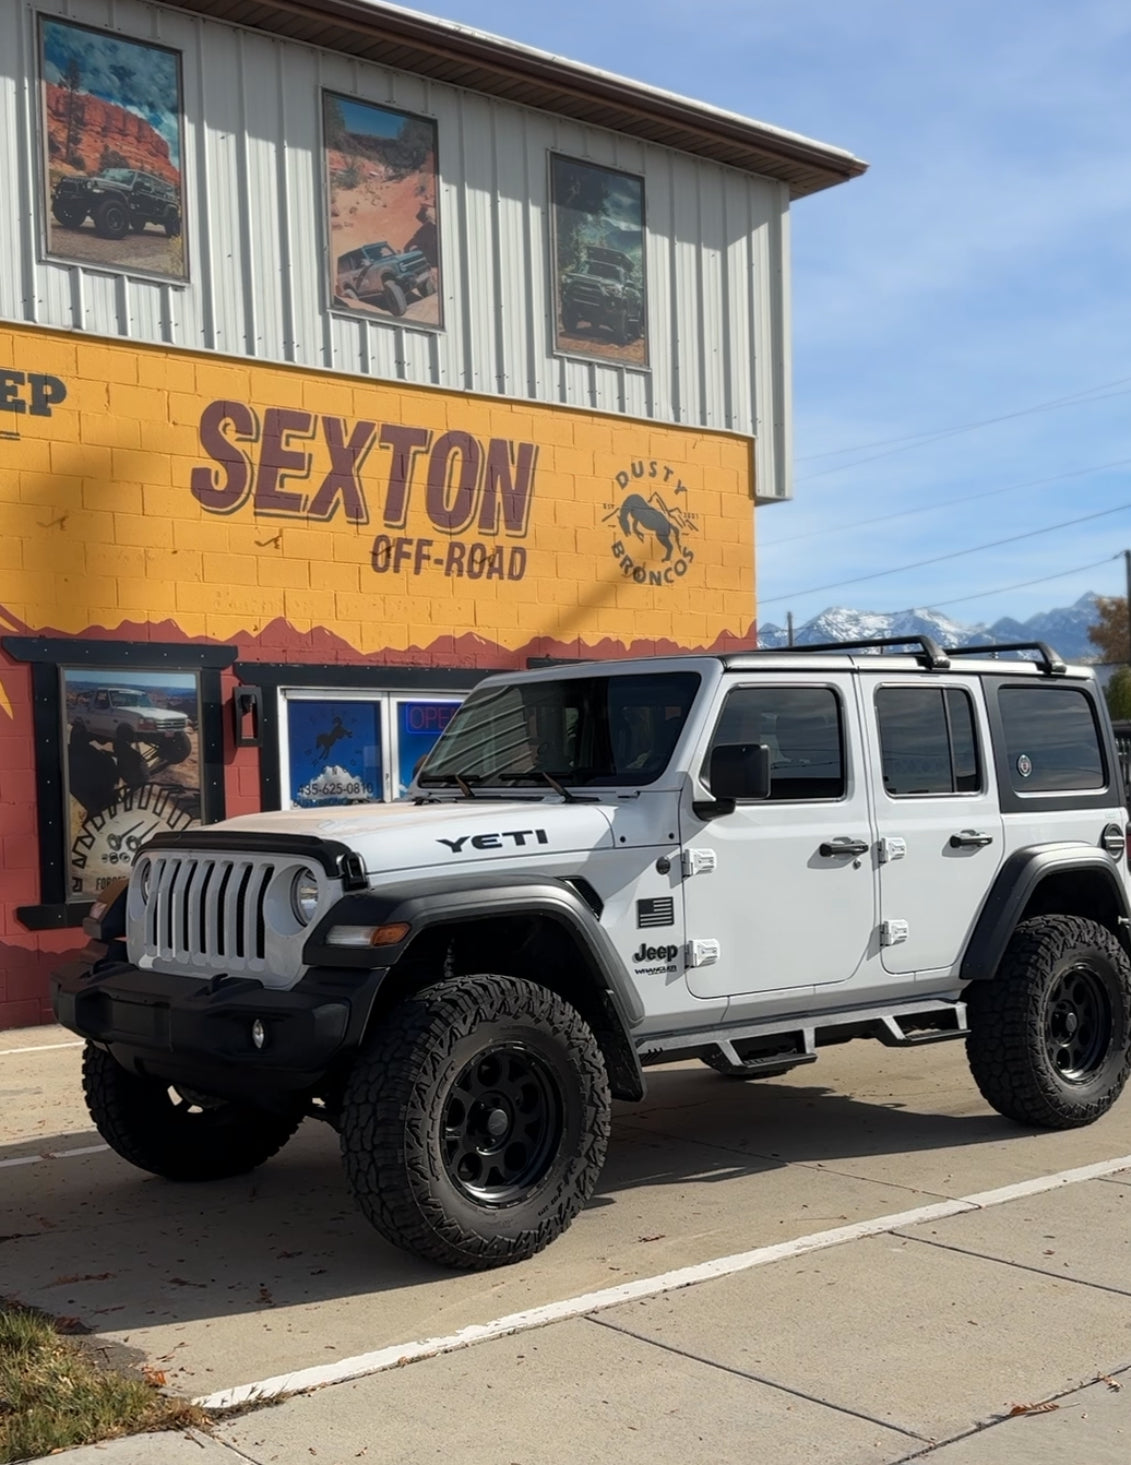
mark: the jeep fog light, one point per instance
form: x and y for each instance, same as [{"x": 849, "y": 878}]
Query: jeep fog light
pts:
[
  {"x": 258, "y": 1033},
  {"x": 361, "y": 936},
  {"x": 304, "y": 895}
]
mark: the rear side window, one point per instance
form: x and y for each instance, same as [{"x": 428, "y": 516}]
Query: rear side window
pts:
[
  {"x": 928, "y": 742},
  {"x": 802, "y": 728},
  {"x": 1051, "y": 739}
]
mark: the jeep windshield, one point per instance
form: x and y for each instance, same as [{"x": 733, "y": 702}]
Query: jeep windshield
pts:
[
  {"x": 119, "y": 175},
  {"x": 598, "y": 730},
  {"x": 130, "y": 699},
  {"x": 602, "y": 272}
]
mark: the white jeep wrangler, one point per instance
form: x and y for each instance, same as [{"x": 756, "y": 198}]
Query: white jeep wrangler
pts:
[{"x": 738, "y": 858}]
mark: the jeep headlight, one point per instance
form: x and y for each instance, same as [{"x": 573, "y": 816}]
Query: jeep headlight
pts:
[
  {"x": 143, "y": 875},
  {"x": 304, "y": 895}
]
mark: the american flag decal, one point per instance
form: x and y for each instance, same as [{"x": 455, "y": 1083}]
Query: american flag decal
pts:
[{"x": 659, "y": 912}]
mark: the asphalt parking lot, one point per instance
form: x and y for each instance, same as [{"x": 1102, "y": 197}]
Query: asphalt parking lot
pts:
[{"x": 912, "y": 1320}]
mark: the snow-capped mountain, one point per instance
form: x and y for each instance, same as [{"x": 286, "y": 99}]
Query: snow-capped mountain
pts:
[{"x": 1065, "y": 629}]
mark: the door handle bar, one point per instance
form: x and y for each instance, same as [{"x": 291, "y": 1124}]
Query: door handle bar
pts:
[
  {"x": 970, "y": 839},
  {"x": 834, "y": 847}
]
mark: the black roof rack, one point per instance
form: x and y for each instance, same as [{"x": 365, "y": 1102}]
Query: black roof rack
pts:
[
  {"x": 1048, "y": 661},
  {"x": 929, "y": 653}
]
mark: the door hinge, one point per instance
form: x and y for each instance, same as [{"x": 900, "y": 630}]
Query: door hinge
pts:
[
  {"x": 702, "y": 953},
  {"x": 699, "y": 862},
  {"x": 892, "y": 849},
  {"x": 893, "y": 932}
]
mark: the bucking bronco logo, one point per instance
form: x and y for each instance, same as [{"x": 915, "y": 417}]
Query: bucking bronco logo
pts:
[{"x": 651, "y": 547}]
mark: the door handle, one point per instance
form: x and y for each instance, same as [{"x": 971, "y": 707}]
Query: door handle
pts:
[
  {"x": 834, "y": 847},
  {"x": 970, "y": 839}
]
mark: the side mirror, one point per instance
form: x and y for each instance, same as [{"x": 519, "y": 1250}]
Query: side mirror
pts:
[{"x": 740, "y": 771}]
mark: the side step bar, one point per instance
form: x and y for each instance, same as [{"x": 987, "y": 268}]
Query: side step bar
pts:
[{"x": 891, "y": 1035}]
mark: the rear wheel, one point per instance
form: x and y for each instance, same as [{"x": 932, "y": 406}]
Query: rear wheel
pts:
[
  {"x": 475, "y": 1122},
  {"x": 172, "y": 223},
  {"x": 1050, "y": 1033},
  {"x": 175, "y": 748},
  {"x": 180, "y": 1135}
]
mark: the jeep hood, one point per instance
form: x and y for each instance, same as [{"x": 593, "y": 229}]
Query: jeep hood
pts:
[{"x": 394, "y": 838}]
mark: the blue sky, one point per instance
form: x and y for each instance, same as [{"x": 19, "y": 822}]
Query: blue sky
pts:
[
  {"x": 143, "y": 79},
  {"x": 978, "y": 270}
]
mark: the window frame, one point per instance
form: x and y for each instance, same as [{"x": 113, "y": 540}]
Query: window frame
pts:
[
  {"x": 942, "y": 687},
  {"x": 778, "y": 686}
]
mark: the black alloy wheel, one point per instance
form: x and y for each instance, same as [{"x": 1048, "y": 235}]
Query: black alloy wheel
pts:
[
  {"x": 502, "y": 1117},
  {"x": 1078, "y": 1024}
]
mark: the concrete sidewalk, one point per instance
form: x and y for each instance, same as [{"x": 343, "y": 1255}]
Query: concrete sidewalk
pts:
[
  {"x": 915, "y": 1341},
  {"x": 910, "y": 1345}
]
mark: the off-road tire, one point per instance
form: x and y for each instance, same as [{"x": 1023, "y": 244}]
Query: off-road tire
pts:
[
  {"x": 728, "y": 1070},
  {"x": 427, "y": 285},
  {"x": 175, "y": 748},
  {"x": 181, "y": 1139},
  {"x": 1061, "y": 997},
  {"x": 70, "y": 218},
  {"x": 172, "y": 224},
  {"x": 395, "y": 301},
  {"x": 112, "y": 219},
  {"x": 402, "y": 1112}
]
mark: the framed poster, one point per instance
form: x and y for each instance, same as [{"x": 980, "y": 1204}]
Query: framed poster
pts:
[
  {"x": 382, "y": 213},
  {"x": 113, "y": 129},
  {"x": 599, "y": 291},
  {"x": 132, "y": 766}
]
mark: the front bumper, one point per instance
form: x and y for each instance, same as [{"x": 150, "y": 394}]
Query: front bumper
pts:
[{"x": 197, "y": 1032}]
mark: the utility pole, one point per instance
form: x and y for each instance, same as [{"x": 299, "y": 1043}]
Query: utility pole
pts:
[
  {"x": 1127, "y": 568},
  {"x": 789, "y": 613}
]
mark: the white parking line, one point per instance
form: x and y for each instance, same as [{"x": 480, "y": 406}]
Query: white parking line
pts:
[
  {"x": 53, "y": 1155},
  {"x": 39, "y": 1048},
  {"x": 398, "y": 1354}
]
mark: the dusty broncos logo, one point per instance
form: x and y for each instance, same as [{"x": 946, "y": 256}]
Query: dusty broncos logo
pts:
[{"x": 651, "y": 546}]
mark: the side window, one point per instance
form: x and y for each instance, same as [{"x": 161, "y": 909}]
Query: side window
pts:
[
  {"x": 1051, "y": 739},
  {"x": 801, "y": 726},
  {"x": 928, "y": 743}
]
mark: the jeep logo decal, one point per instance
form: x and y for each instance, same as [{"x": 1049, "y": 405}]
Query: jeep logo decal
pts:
[
  {"x": 655, "y": 953},
  {"x": 495, "y": 841},
  {"x": 650, "y": 520}
]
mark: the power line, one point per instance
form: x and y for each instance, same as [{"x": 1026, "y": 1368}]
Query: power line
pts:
[
  {"x": 944, "y": 503},
  {"x": 1020, "y": 585},
  {"x": 969, "y": 426},
  {"x": 952, "y": 555},
  {"x": 923, "y": 440}
]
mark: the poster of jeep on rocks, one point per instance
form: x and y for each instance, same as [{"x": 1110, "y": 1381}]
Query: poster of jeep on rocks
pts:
[
  {"x": 381, "y": 196},
  {"x": 132, "y": 760},
  {"x": 600, "y": 300},
  {"x": 112, "y": 151}
]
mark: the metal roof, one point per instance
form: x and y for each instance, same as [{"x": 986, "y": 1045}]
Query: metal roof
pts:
[{"x": 462, "y": 56}]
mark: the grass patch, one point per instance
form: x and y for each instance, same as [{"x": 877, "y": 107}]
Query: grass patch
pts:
[{"x": 56, "y": 1392}]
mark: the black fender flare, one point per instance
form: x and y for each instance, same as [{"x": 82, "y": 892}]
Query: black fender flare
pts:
[
  {"x": 483, "y": 898},
  {"x": 1016, "y": 883}
]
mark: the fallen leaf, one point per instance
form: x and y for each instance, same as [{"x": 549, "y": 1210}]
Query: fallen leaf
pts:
[
  {"x": 154, "y": 1377},
  {"x": 658, "y": 1237},
  {"x": 1113, "y": 1384},
  {"x": 1046, "y": 1408},
  {"x": 265, "y": 1296}
]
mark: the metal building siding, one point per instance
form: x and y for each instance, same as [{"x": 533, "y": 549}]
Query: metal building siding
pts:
[{"x": 717, "y": 271}]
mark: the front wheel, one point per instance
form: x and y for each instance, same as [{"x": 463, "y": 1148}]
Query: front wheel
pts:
[
  {"x": 111, "y": 219},
  {"x": 475, "y": 1122},
  {"x": 182, "y": 1136},
  {"x": 396, "y": 303},
  {"x": 1050, "y": 1033}
]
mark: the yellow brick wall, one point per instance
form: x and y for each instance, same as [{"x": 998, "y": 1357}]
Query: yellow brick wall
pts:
[{"x": 101, "y": 526}]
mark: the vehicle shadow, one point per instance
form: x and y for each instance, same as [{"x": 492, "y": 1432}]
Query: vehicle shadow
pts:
[{"x": 89, "y": 1237}]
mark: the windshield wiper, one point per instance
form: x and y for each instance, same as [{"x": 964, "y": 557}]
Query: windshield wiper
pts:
[
  {"x": 461, "y": 781},
  {"x": 570, "y": 798}
]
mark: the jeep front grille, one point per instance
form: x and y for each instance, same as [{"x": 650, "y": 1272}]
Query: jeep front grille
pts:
[{"x": 207, "y": 912}]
